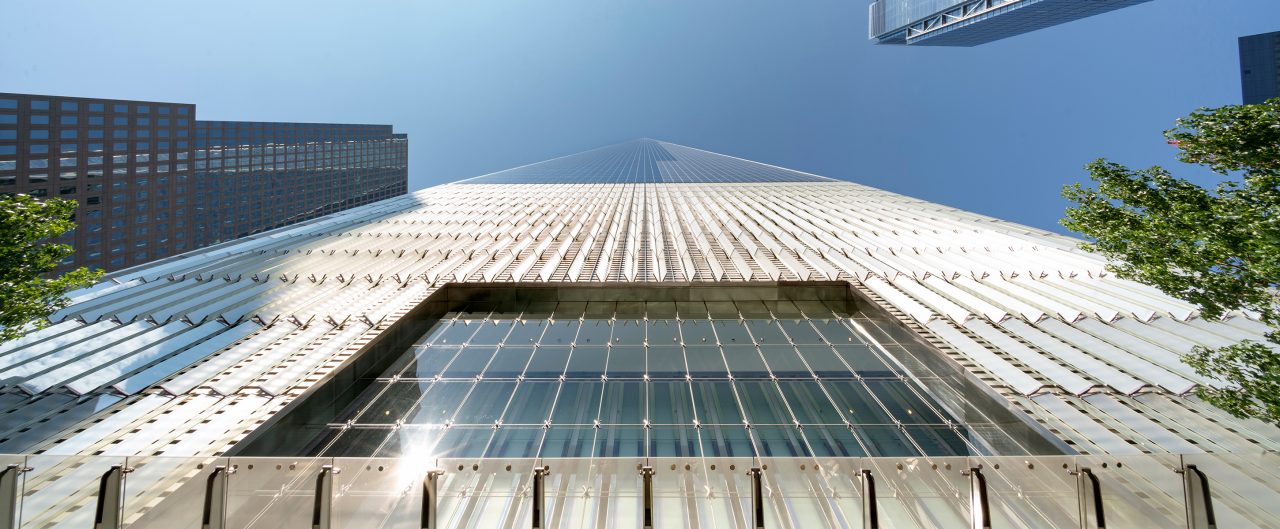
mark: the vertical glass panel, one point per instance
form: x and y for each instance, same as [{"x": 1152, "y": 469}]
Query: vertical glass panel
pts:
[
  {"x": 783, "y": 361},
  {"x": 855, "y": 402},
  {"x": 779, "y": 441},
  {"x": 666, "y": 361},
  {"x": 428, "y": 362},
  {"x": 833, "y": 441},
  {"x": 491, "y": 332},
  {"x": 670, "y": 402},
  {"x": 623, "y": 402},
  {"x": 697, "y": 332},
  {"x": 587, "y": 361},
  {"x": 823, "y": 361},
  {"x": 1031, "y": 491},
  {"x": 864, "y": 360},
  {"x": 1140, "y": 491},
  {"x": 705, "y": 361},
  {"x": 902, "y": 402},
  {"x": 626, "y": 361},
  {"x": 809, "y": 403},
  {"x": 745, "y": 362},
  {"x": 454, "y": 332},
  {"x": 515, "y": 442},
  {"x": 180, "y": 481},
  {"x": 663, "y": 332},
  {"x": 715, "y": 403},
  {"x": 62, "y": 489},
  {"x": 548, "y": 362},
  {"x": 1245, "y": 487},
  {"x": 620, "y": 441},
  {"x": 526, "y": 332},
  {"x": 562, "y": 441},
  {"x": 470, "y": 362},
  {"x": 440, "y": 402},
  {"x": 628, "y": 332},
  {"x": 594, "y": 332},
  {"x": 531, "y": 403},
  {"x": 379, "y": 492},
  {"x": 918, "y": 494},
  {"x": 559, "y": 332},
  {"x": 484, "y": 494},
  {"x": 766, "y": 332},
  {"x": 763, "y": 403},
  {"x": 578, "y": 403},
  {"x": 669, "y": 441},
  {"x": 486, "y": 402},
  {"x": 397, "y": 401},
  {"x": 508, "y": 362},
  {"x": 800, "y": 332},
  {"x": 281, "y": 490},
  {"x": 731, "y": 332}
]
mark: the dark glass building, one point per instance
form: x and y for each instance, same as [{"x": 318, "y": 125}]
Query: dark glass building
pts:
[
  {"x": 974, "y": 22},
  {"x": 1260, "y": 67},
  {"x": 254, "y": 176},
  {"x": 132, "y": 167}
]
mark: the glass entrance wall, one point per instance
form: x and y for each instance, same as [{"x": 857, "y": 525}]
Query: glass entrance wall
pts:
[{"x": 708, "y": 375}]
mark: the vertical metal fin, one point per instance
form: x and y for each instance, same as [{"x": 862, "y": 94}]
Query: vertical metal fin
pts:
[
  {"x": 757, "y": 498},
  {"x": 870, "y": 509},
  {"x": 979, "y": 512},
  {"x": 215, "y": 500},
  {"x": 1089, "y": 497},
  {"x": 538, "y": 495},
  {"x": 646, "y": 473},
  {"x": 323, "y": 506},
  {"x": 110, "y": 493},
  {"x": 9, "y": 495},
  {"x": 430, "y": 498},
  {"x": 1199, "y": 501}
]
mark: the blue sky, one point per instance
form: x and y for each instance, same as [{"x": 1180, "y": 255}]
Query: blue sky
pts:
[{"x": 482, "y": 86}]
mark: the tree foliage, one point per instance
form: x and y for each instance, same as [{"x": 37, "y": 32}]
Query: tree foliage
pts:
[
  {"x": 27, "y": 254},
  {"x": 1217, "y": 248}
]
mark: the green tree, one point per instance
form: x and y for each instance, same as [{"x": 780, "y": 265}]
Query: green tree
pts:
[
  {"x": 1217, "y": 248},
  {"x": 27, "y": 254}
]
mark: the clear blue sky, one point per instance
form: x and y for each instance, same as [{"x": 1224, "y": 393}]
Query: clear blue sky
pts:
[{"x": 481, "y": 86}]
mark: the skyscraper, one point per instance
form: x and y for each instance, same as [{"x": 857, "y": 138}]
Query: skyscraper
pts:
[
  {"x": 641, "y": 332},
  {"x": 974, "y": 22},
  {"x": 152, "y": 181},
  {"x": 1260, "y": 67}
]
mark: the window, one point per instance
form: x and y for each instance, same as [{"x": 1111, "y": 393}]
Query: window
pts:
[
  {"x": 96, "y": 120},
  {"x": 144, "y": 109},
  {"x": 8, "y": 134},
  {"x": 120, "y": 108},
  {"x": 143, "y": 122},
  {"x": 8, "y": 119},
  {"x": 67, "y": 147},
  {"x": 67, "y": 190},
  {"x": 8, "y": 103},
  {"x": 67, "y": 134},
  {"x": 67, "y": 120},
  {"x": 39, "y": 105},
  {"x": 39, "y": 148},
  {"x": 96, "y": 107},
  {"x": 70, "y": 106},
  {"x": 38, "y": 135},
  {"x": 8, "y": 149}
]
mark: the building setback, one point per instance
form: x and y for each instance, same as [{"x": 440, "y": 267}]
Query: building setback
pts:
[
  {"x": 152, "y": 181},
  {"x": 1260, "y": 67},
  {"x": 974, "y": 22},
  {"x": 643, "y": 331}
]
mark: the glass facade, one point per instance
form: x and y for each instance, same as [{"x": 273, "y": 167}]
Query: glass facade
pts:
[
  {"x": 152, "y": 181},
  {"x": 645, "y": 162},
  {"x": 255, "y": 176},
  {"x": 723, "y": 377},
  {"x": 1260, "y": 67},
  {"x": 974, "y": 22}
]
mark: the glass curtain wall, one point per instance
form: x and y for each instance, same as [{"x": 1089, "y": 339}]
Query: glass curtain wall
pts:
[{"x": 669, "y": 379}]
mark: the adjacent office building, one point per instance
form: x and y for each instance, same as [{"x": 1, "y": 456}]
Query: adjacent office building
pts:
[
  {"x": 974, "y": 22},
  {"x": 152, "y": 181},
  {"x": 640, "y": 335},
  {"x": 1260, "y": 67}
]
